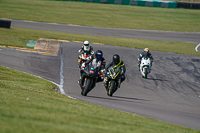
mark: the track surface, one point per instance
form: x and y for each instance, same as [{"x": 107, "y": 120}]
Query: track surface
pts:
[
  {"x": 170, "y": 94},
  {"x": 125, "y": 33}
]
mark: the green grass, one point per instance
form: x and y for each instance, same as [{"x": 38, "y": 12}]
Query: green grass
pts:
[
  {"x": 46, "y": 111},
  {"x": 102, "y": 15},
  {"x": 20, "y": 36}
]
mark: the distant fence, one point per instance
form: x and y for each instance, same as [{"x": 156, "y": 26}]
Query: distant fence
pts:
[
  {"x": 153, "y": 3},
  {"x": 188, "y": 5},
  {"x": 149, "y": 3},
  {"x": 5, "y": 23}
]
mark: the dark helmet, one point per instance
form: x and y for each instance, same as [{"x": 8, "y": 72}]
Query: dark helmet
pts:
[
  {"x": 99, "y": 54},
  {"x": 116, "y": 59}
]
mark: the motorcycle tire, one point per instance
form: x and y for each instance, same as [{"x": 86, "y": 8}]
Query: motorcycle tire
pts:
[
  {"x": 87, "y": 87},
  {"x": 111, "y": 88},
  {"x": 145, "y": 73}
]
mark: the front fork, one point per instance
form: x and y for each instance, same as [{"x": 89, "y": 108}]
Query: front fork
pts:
[{"x": 118, "y": 83}]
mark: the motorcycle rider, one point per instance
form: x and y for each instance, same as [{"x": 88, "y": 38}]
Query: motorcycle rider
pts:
[
  {"x": 118, "y": 62},
  {"x": 145, "y": 53},
  {"x": 86, "y": 50},
  {"x": 99, "y": 60}
]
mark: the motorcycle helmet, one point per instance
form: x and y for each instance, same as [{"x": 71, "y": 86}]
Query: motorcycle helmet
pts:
[
  {"x": 98, "y": 54},
  {"x": 116, "y": 59},
  {"x": 86, "y": 46},
  {"x": 146, "y": 50}
]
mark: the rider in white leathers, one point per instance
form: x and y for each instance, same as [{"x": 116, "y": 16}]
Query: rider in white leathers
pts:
[
  {"x": 145, "y": 53},
  {"x": 86, "y": 50}
]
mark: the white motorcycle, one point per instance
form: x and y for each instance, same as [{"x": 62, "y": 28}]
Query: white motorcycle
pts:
[{"x": 145, "y": 66}]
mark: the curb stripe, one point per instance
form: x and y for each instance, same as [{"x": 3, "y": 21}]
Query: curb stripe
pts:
[
  {"x": 196, "y": 48},
  {"x": 61, "y": 72}
]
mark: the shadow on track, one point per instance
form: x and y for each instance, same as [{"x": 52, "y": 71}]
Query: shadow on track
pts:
[
  {"x": 130, "y": 98},
  {"x": 119, "y": 98},
  {"x": 156, "y": 79}
]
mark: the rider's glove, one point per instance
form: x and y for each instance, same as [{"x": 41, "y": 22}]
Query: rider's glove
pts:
[
  {"x": 103, "y": 71},
  {"x": 80, "y": 50},
  {"x": 83, "y": 65}
]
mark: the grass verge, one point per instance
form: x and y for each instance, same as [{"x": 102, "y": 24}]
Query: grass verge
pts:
[
  {"x": 28, "y": 104},
  {"x": 102, "y": 15},
  {"x": 20, "y": 36}
]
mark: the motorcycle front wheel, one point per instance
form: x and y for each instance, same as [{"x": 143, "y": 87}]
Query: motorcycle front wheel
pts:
[
  {"x": 145, "y": 73},
  {"x": 87, "y": 86},
  {"x": 111, "y": 87}
]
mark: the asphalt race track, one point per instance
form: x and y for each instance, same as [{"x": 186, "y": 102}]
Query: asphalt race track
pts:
[
  {"x": 170, "y": 94},
  {"x": 125, "y": 33}
]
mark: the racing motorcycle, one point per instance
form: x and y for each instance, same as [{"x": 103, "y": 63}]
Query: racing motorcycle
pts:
[
  {"x": 113, "y": 79},
  {"x": 145, "y": 66},
  {"x": 89, "y": 77}
]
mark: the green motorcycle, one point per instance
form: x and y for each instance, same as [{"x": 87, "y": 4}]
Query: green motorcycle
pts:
[{"x": 114, "y": 79}]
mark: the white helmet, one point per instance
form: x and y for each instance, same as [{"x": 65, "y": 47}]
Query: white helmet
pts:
[
  {"x": 86, "y": 43},
  {"x": 86, "y": 46}
]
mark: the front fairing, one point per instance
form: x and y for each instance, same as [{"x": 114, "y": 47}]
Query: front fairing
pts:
[
  {"x": 114, "y": 72},
  {"x": 145, "y": 64},
  {"x": 84, "y": 56},
  {"x": 91, "y": 70}
]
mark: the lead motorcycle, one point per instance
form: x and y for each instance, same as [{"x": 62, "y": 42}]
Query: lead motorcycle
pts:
[
  {"x": 145, "y": 66},
  {"x": 89, "y": 77},
  {"x": 113, "y": 78}
]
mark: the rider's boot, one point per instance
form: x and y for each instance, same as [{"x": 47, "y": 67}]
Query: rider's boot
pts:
[
  {"x": 119, "y": 83},
  {"x": 79, "y": 80},
  {"x": 139, "y": 66},
  {"x": 139, "y": 62},
  {"x": 105, "y": 81}
]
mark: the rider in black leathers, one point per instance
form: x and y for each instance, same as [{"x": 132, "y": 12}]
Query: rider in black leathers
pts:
[{"x": 116, "y": 61}]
